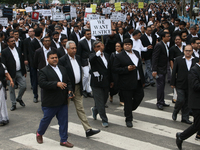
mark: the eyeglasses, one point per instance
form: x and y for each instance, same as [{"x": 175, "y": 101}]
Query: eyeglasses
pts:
[
  {"x": 98, "y": 46},
  {"x": 188, "y": 50}
]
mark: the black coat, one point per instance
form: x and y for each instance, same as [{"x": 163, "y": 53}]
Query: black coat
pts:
[
  {"x": 39, "y": 58},
  {"x": 54, "y": 45},
  {"x": 65, "y": 62},
  {"x": 160, "y": 58},
  {"x": 174, "y": 52},
  {"x": 145, "y": 42},
  {"x": 8, "y": 60},
  {"x": 179, "y": 77},
  {"x": 128, "y": 80},
  {"x": 110, "y": 44},
  {"x": 74, "y": 38},
  {"x": 118, "y": 38},
  {"x": 52, "y": 95},
  {"x": 97, "y": 65},
  {"x": 194, "y": 87},
  {"x": 34, "y": 45},
  {"x": 60, "y": 52},
  {"x": 26, "y": 47},
  {"x": 84, "y": 51},
  {"x": 189, "y": 38}
]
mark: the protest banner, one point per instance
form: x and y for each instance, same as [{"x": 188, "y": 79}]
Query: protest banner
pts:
[
  {"x": 57, "y": 16},
  {"x": 35, "y": 16},
  {"x": 66, "y": 9},
  {"x": 93, "y": 16},
  {"x": 118, "y": 6},
  {"x": 88, "y": 10},
  {"x": 29, "y": 9},
  {"x": 8, "y": 12},
  {"x": 46, "y": 12},
  {"x": 73, "y": 12},
  {"x": 40, "y": 11},
  {"x": 93, "y": 8},
  {"x": 100, "y": 27},
  {"x": 140, "y": 4},
  {"x": 1, "y": 12},
  {"x": 106, "y": 10},
  {"x": 4, "y": 22}
]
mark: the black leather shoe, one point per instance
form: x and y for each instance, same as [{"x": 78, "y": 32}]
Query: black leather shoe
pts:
[
  {"x": 85, "y": 94},
  {"x": 35, "y": 100},
  {"x": 174, "y": 116},
  {"x": 106, "y": 106},
  {"x": 20, "y": 102},
  {"x": 179, "y": 141},
  {"x": 173, "y": 101},
  {"x": 129, "y": 124},
  {"x": 13, "y": 107},
  {"x": 90, "y": 95},
  {"x": 166, "y": 105},
  {"x": 160, "y": 107},
  {"x": 146, "y": 85},
  {"x": 186, "y": 121},
  {"x": 91, "y": 132}
]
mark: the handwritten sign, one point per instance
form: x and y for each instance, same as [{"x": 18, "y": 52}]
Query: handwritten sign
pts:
[{"x": 4, "y": 21}]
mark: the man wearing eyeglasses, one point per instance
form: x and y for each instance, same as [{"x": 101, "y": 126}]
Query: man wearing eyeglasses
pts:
[{"x": 181, "y": 67}]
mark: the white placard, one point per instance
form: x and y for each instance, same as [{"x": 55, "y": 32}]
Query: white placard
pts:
[
  {"x": 29, "y": 9},
  {"x": 106, "y": 10},
  {"x": 4, "y": 21},
  {"x": 1, "y": 13},
  {"x": 72, "y": 9},
  {"x": 88, "y": 10},
  {"x": 93, "y": 16},
  {"x": 73, "y": 15},
  {"x": 39, "y": 10},
  {"x": 46, "y": 12},
  {"x": 100, "y": 27},
  {"x": 58, "y": 16}
]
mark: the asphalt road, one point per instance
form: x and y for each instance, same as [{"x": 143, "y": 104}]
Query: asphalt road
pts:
[{"x": 152, "y": 129}]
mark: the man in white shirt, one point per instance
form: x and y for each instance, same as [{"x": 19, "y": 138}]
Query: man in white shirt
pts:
[
  {"x": 195, "y": 42},
  {"x": 55, "y": 43},
  {"x": 72, "y": 63},
  {"x": 137, "y": 44},
  {"x": 180, "y": 81},
  {"x": 14, "y": 62}
]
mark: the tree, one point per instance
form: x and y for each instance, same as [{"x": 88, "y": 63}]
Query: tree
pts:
[
  {"x": 191, "y": 8},
  {"x": 178, "y": 7}
]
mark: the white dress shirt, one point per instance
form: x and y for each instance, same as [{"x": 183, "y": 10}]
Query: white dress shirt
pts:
[
  {"x": 102, "y": 57},
  {"x": 78, "y": 36},
  {"x": 139, "y": 26},
  {"x": 121, "y": 37},
  {"x": 64, "y": 31},
  {"x": 45, "y": 53},
  {"x": 57, "y": 43},
  {"x": 137, "y": 45},
  {"x": 196, "y": 53},
  {"x": 149, "y": 37},
  {"x": 135, "y": 60},
  {"x": 194, "y": 35},
  {"x": 16, "y": 57},
  {"x": 188, "y": 62},
  {"x": 65, "y": 50},
  {"x": 167, "y": 50},
  {"x": 76, "y": 69},
  {"x": 89, "y": 43},
  {"x": 17, "y": 43},
  {"x": 57, "y": 70}
]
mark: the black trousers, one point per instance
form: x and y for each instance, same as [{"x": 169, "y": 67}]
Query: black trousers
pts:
[
  {"x": 182, "y": 103},
  {"x": 160, "y": 89},
  {"x": 193, "y": 128},
  {"x": 114, "y": 91},
  {"x": 132, "y": 99}
]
